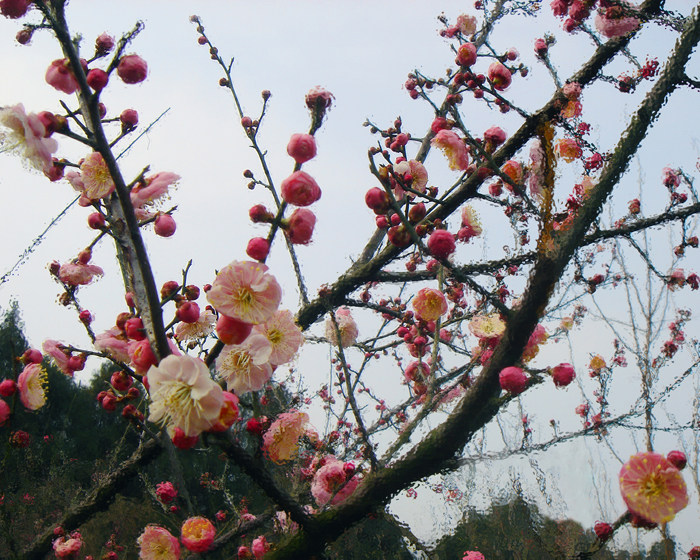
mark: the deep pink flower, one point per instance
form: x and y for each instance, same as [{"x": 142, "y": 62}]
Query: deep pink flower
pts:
[
  {"x": 281, "y": 440},
  {"x": 166, "y": 492},
  {"x": 513, "y": 379},
  {"x": 429, "y": 304},
  {"x": 244, "y": 290},
  {"x": 494, "y": 137},
  {"x": 652, "y": 487},
  {"x": 258, "y": 248},
  {"x": 499, "y": 76},
  {"x": 67, "y": 548},
  {"x": 60, "y": 357},
  {"x": 301, "y": 226},
  {"x": 259, "y": 547},
  {"x": 466, "y": 54},
  {"x": 132, "y": 69},
  {"x": 97, "y": 79},
  {"x": 603, "y": 530},
  {"x": 441, "y": 244},
  {"x": 302, "y": 147},
  {"x": 197, "y": 534},
  {"x": 229, "y": 413},
  {"x": 332, "y": 478},
  {"x": 300, "y": 189},
  {"x": 454, "y": 149},
  {"x": 677, "y": 459},
  {"x": 156, "y": 543},
  {"x": 165, "y": 225},
  {"x": 473, "y": 555},
  {"x": 319, "y": 100},
  {"x": 26, "y": 136},
  {"x": 563, "y": 374},
  {"x": 541, "y": 47},
  {"x": 8, "y": 387},
  {"x": 60, "y": 76},
  {"x": 347, "y": 327},
  {"x": 539, "y": 336},
  {"x": 114, "y": 344}
]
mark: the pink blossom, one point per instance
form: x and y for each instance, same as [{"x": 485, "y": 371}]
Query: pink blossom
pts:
[
  {"x": 258, "y": 248},
  {"x": 302, "y": 147},
  {"x": 132, "y": 69},
  {"x": 612, "y": 21},
  {"x": 245, "y": 367},
  {"x": 652, "y": 487},
  {"x": 165, "y": 225},
  {"x": 281, "y": 440},
  {"x": 429, "y": 304},
  {"x": 183, "y": 395},
  {"x": 245, "y": 291},
  {"x": 95, "y": 176},
  {"x": 441, "y": 244},
  {"x": 60, "y": 357},
  {"x": 603, "y": 530},
  {"x": 232, "y": 331},
  {"x": 259, "y": 547},
  {"x": 332, "y": 478},
  {"x": 319, "y": 100},
  {"x": 4, "y": 412},
  {"x": 201, "y": 328},
  {"x": 539, "y": 336},
  {"x": 494, "y": 137},
  {"x": 104, "y": 43},
  {"x": 60, "y": 76},
  {"x": 97, "y": 79},
  {"x": 197, "y": 534},
  {"x": 32, "y": 384},
  {"x": 466, "y": 54},
  {"x": 499, "y": 76},
  {"x": 473, "y": 555},
  {"x": 301, "y": 226},
  {"x": 166, "y": 492},
  {"x": 155, "y": 188},
  {"x": 572, "y": 90},
  {"x": 466, "y": 24},
  {"x": 377, "y": 200},
  {"x": 156, "y": 543},
  {"x": 67, "y": 548},
  {"x": 25, "y": 135},
  {"x": 284, "y": 336},
  {"x": 114, "y": 343},
  {"x": 300, "y": 189},
  {"x": 488, "y": 327},
  {"x": 8, "y": 387},
  {"x": 513, "y": 379},
  {"x": 454, "y": 149},
  {"x": 78, "y": 274},
  {"x": 471, "y": 226},
  {"x": 563, "y": 374},
  {"x": 347, "y": 327},
  {"x": 568, "y": 149}
]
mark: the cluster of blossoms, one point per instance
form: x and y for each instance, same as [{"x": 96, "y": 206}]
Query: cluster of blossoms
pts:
[
  {"x": 613, "y": 18},
  {"x": 31, "y": 384}
]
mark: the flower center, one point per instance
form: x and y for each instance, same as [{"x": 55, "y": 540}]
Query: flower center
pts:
[
  {"x": 653, "y": 487},
  {"x": 274, "y": 336},
  {"x": 245, "y": 299}
]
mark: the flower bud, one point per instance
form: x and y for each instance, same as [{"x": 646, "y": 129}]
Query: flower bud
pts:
[
  {"x": 129, "y": 119},
  {"x": 165, "y": 225},
  {"x": 104, "y": 44},
  {"x": 302, "y": 147},
  {"x": 300, "y": 189},
  {"x": 301, "y": 226},
  {"x": 96, "y": 221},
  {"x": 232, "y": 331},
  {"x": 132, "y": 69},
  {"x": 97, "y": 79},
  {"x": 188, "y": 312},
  {"x": 258, "y": 248}
]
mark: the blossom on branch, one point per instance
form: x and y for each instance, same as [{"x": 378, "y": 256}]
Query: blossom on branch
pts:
[
  {"x": 197, "y": 534},
  {"x": 284, "y": 336},
  {"x": 245, "y": 367},
  {"x": 454, "y": 149},
  {"x": 333, "y": 482},
  {"x": 183, "y": 395},
  {"x": 25, "y": 135},
  {"x": 652, "y": 487},
  {"x": 281, "y": 440},
  {"x": 32, "y": 384},
  {"x": 156, "y": 543},
  {"x": 429, "y": 304},
  {"x": 347, "y": 327}
]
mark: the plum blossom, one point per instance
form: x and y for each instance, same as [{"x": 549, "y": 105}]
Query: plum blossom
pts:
[
  {"x": 539, "y": 336},
  {"x": 563, "y": 374},
  {"x": 513, "y": 379},
  {"x": 301, "y": 226},
  {"x": 229, "y": 413},
  {"x": 347, "y": 327},
  {"x": 197, "y": 534},
  {"x": 284, "y": 336},
  {"x": 60, "y": 357},
  {"x": 429, "y": 304},
  {"x": 166, "y": 492},
  {"x": 78, "y": 274},
  {"x": 204, "y": 326},
  {"x": 302, "y": 147},
  {"x": 333, "y": 478},
  {"x": 652, "y": 487},
  {"x": 157, "y": 543},
  {"x": 568, "y": 149},
  {"x": 466, "y": 24},
  {"x": 281, "y": 440},
  {"x": 32, "y": 384},
  {"x": 183, "y": 395},
  {"x": 259, "y": 547},
  {"x": 499, "y": 76},
  {"x": 487, "y": 326},
  {"x": 60, "y": 76},
  {"x": 454, "y": 149},
  {"x": 114, "y": 343},
  {"x": 25, "y": 134},
  {"x": 418, "y": 173},
  {"x": 537, "y": 166},
  {"x": 245, "y": 291},
  {"x": 132, "y": 69},
  {"x": 67, "y": 548},
  {"x": 612, "y": 21},
  {"x": 473, "y": 555},
  {"x": 153, "y": 189},
  {"x": 471, "y": 225},
  {"x": 95, "y": 176},
  {"x": 245, "y": 367},
  {"x": 4, "y": 412},
  {"x": 441, "y": 244},
  {"x": 300, "y": 189}
]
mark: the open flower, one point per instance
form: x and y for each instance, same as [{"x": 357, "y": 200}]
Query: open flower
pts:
[
  {"x": 197, "y": 534},
  {"x": 183, "y": 395},
  {"x": 24, "y": 135},
  {"x": 155, "y": 187},
  {"x": 78, "y": 274},
  {"x": 202, "y": 327},
  {"x": 245, "y": 291},
  {"x": 156, "y": 543},
  {"x": 32, "y": 384},
  {"x": 284, "y": 336},
  {"x": 429, "y": 304},
  {"x": 96, "y": 178},
  {"x": 487, "y": 326},
  {"x": 245, "y": 367},
  {"x": 652, "y": 487},
  {"x": 281, "y": 440},
  {"x": 67, "y": 548},
  {"x": 454, "y": 149}
]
